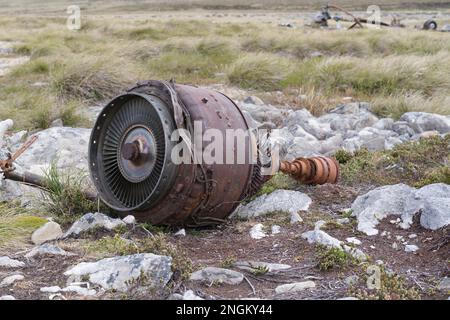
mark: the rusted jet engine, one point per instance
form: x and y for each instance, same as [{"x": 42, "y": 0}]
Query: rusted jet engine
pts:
[
  {"x": 131, "y": 153},
  {"x": 132, "y": 149}
]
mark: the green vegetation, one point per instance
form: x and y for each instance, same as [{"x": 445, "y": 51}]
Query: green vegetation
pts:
[
  {"x": 396, "y": 70},
  {"x": 333, "y": 258},
  {"x": 65, "y": 196},
  {"x": 392, "y": 287},
  {"x": 228, "y": 262},
  {"x": 278, "y": 181},
  {"x": 17, "y": 224},
  {"x": 416, "y": 163}
]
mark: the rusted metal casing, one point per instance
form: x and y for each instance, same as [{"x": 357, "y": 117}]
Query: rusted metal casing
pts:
[
  {"x": 132, "y": 148},
  {"x": 181, "y": 194}
]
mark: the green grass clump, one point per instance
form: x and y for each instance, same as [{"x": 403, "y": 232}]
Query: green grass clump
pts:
[
  {"x": 333, "y": 258},
  {"x": 416, "y": 163},
  {"x": 64, "y": 195},
  {"x": 87, "y": 81},
  {"x": 258, "y": 71}
]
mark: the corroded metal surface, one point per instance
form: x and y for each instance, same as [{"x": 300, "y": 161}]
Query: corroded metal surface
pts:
[
  {"x": 314, "y": 170},
  {"x": 198, "y": 193},
  {"x": 131, "y": 163}
]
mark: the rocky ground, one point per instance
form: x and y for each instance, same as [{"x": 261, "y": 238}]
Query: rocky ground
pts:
[{"x": 289, "y": 242}]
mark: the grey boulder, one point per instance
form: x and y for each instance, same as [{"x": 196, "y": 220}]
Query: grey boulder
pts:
[
  {"x": 278, "y": 201},
  {"x": 91, "y": 221},
  {"x": 119, "y": 273},
  {"x": 217, "y": 275}
]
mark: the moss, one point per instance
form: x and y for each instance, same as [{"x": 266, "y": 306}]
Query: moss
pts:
[
  {"x": 17, "y": 224},
  {"x": 278, "y": 181}
]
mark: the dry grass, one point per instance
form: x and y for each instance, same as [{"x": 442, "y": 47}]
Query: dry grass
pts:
[{"x": 396, "y": 70}]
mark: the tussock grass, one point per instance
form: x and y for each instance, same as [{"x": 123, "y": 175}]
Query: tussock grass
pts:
[
  {"x": 258, "y": 71},
  {"x": 87, "y": 80},
  {"x": 64, "y": 196},
  {"x": 396, "y": 70}
]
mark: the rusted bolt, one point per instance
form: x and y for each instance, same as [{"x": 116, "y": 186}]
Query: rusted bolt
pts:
[
  {"x": 204, "y": 100},
  {"x": 130, "y": 151}
]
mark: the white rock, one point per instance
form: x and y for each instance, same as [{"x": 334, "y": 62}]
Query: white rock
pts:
[
  {"x": 444, "y": 284},
  {"x": 343, "y": 221},
  {"x": 353, "y": 240},
  {"x": 252, "y": 265},
  {"x": 217, "y": 275},
  {"x": 49, "y": 231},
  {"x": 11, "y": 279},
  {"x": 6, "y": 262},
  {"x": 254, "y": 100},
  {"x": 319, "y": 224},
  {"x": 377, "y": 204},
  {"x": 5, "y": 125},
  {"x": 321, "y": 237},
  {"x": 355, "y": 252},
  {"x": 295, "y": 218},
  {"x": 276, "y": 229},
  {"x": 79, "y": 290},
  {"x": 257, "y": 231},
  {"x": 92, "y": 221},
  {"x": 295, "y": 287},
  {"x": 434, "y": 205},
  {"x": 384, "y": 124},
  {"x": 401, "y": 200},
  {"x": 7, "y": 297},
  {"x": 422, "y": 121},
  {"x": 277, "y": 201},
  {"x": 412, "y": 236},
  {"x": 411, "y": 248},
  {"x": 71, "y": 288},
  {"x": 180, "y": 233},
  {"x": 130, "y": 219},
  {"x": 190, "y": 295},
  {"x": 348, "y": 298},
  {"x": 119, "y": 272},
  {"x": 47, "y": 249},
  {"x": 67, "y": 146},
  {"x": 53, "y": 289},
  {"x": 57, "y": 123}
]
